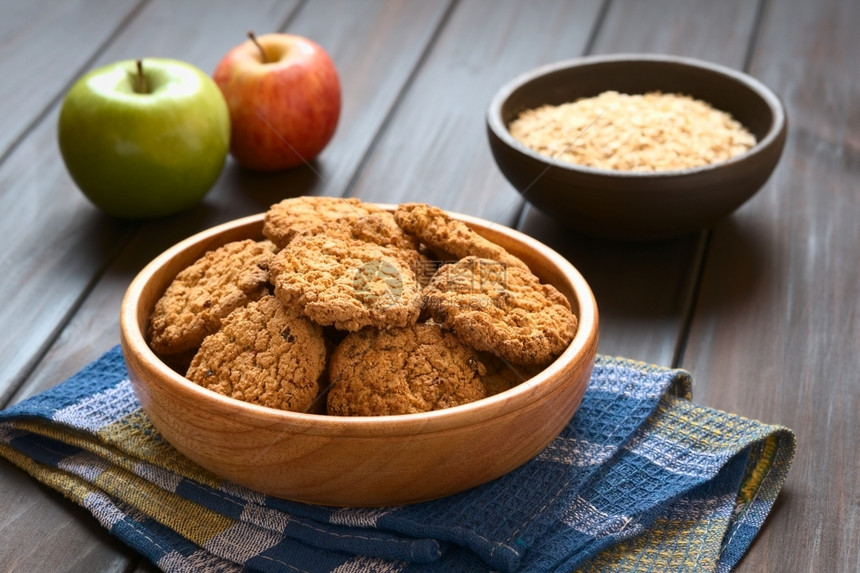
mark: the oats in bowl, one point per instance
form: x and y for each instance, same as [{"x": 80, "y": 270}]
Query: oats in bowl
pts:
[{"x": 636, "y": 132}]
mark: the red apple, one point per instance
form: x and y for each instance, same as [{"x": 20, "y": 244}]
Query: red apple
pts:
[{"x": 283, "y": 93}]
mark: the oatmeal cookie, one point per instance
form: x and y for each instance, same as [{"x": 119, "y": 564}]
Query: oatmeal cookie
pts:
[
  {"x": 382, "y": 229},
  {"x": 204, "y": 293},
  {"x": 501, "y": 376},
  {"x": 379, "y": 229},
  {"x": 345, "y": 282},
  {"x": 501, "y": 309},
  {"x": 263, "y": 354},
  {"x": 402, "y": 371},
  {"x": 441, "y": 232},
  {"x": 297, "y": 215}
]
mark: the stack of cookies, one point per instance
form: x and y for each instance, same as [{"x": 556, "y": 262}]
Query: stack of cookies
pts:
[{"x": 349, "y": 309}]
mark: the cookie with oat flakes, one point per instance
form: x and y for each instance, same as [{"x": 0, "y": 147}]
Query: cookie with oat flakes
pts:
[
  {"x": 381, "y": 229},
  {"x": 402, "y": 371},
  {"x": 202, "y": 294},
  {"x": 297, "y": 215},
  {"x": 501, "y": 309},
  {"x": 440, "y": 231},
  {"x": 263, "y": 354},
  {"x": 348, "y": 283},
  {"x": 501, "y": 375}
]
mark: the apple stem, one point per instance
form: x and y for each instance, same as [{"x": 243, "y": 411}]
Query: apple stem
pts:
[
  {"x": 140, "y": 86},
  {"x": 253, "y": 38}
]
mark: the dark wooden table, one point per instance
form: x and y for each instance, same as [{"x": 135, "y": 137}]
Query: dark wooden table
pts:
[{"x": 762, "y": 308}]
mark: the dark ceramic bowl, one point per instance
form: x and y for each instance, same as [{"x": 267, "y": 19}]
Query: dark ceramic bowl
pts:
[{"x": 630, "y": 205}]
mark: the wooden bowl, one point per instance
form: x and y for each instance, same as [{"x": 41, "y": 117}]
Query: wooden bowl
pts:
[
  {"x": 629, "y": 205},
  {"x": 357, "y": 461}
]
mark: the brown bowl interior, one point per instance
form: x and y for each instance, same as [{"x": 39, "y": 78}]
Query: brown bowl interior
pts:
[
  {"x": 637, "y": 205},
  {"x": 357, "y": 461}
]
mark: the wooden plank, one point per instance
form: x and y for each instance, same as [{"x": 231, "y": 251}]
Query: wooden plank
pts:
[
  {"x": 435, "y": 149},
  {"x": 715, "y": 31},
  {"x": 39, "y": 527},
  {"x": 376, "y": 46},
  {"x": 643, "y": 290},
  {"x": 34, "y": 76},
  {"x": 54, "y": 243},
  {"x": 782, "y": 278}
]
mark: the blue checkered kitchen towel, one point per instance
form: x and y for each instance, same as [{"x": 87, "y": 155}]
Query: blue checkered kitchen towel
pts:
[{"x": 641, "y": 479}]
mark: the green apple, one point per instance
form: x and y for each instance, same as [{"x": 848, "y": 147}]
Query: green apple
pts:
[{"x": 144, "y": 138}]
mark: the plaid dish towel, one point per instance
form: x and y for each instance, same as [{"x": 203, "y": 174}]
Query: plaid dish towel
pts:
[{"x": 641, "y": 479}]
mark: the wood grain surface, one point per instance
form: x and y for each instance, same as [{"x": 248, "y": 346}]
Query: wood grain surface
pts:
[
  {"x": 762, "y": 308},
  {"x": 24, "y": 26},
  {"x": 776, "y": 330}
]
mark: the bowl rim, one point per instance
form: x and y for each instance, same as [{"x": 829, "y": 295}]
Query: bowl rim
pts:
[
  {"x": 547, "y": 382},
  {"x": 768, "y": 96}
]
